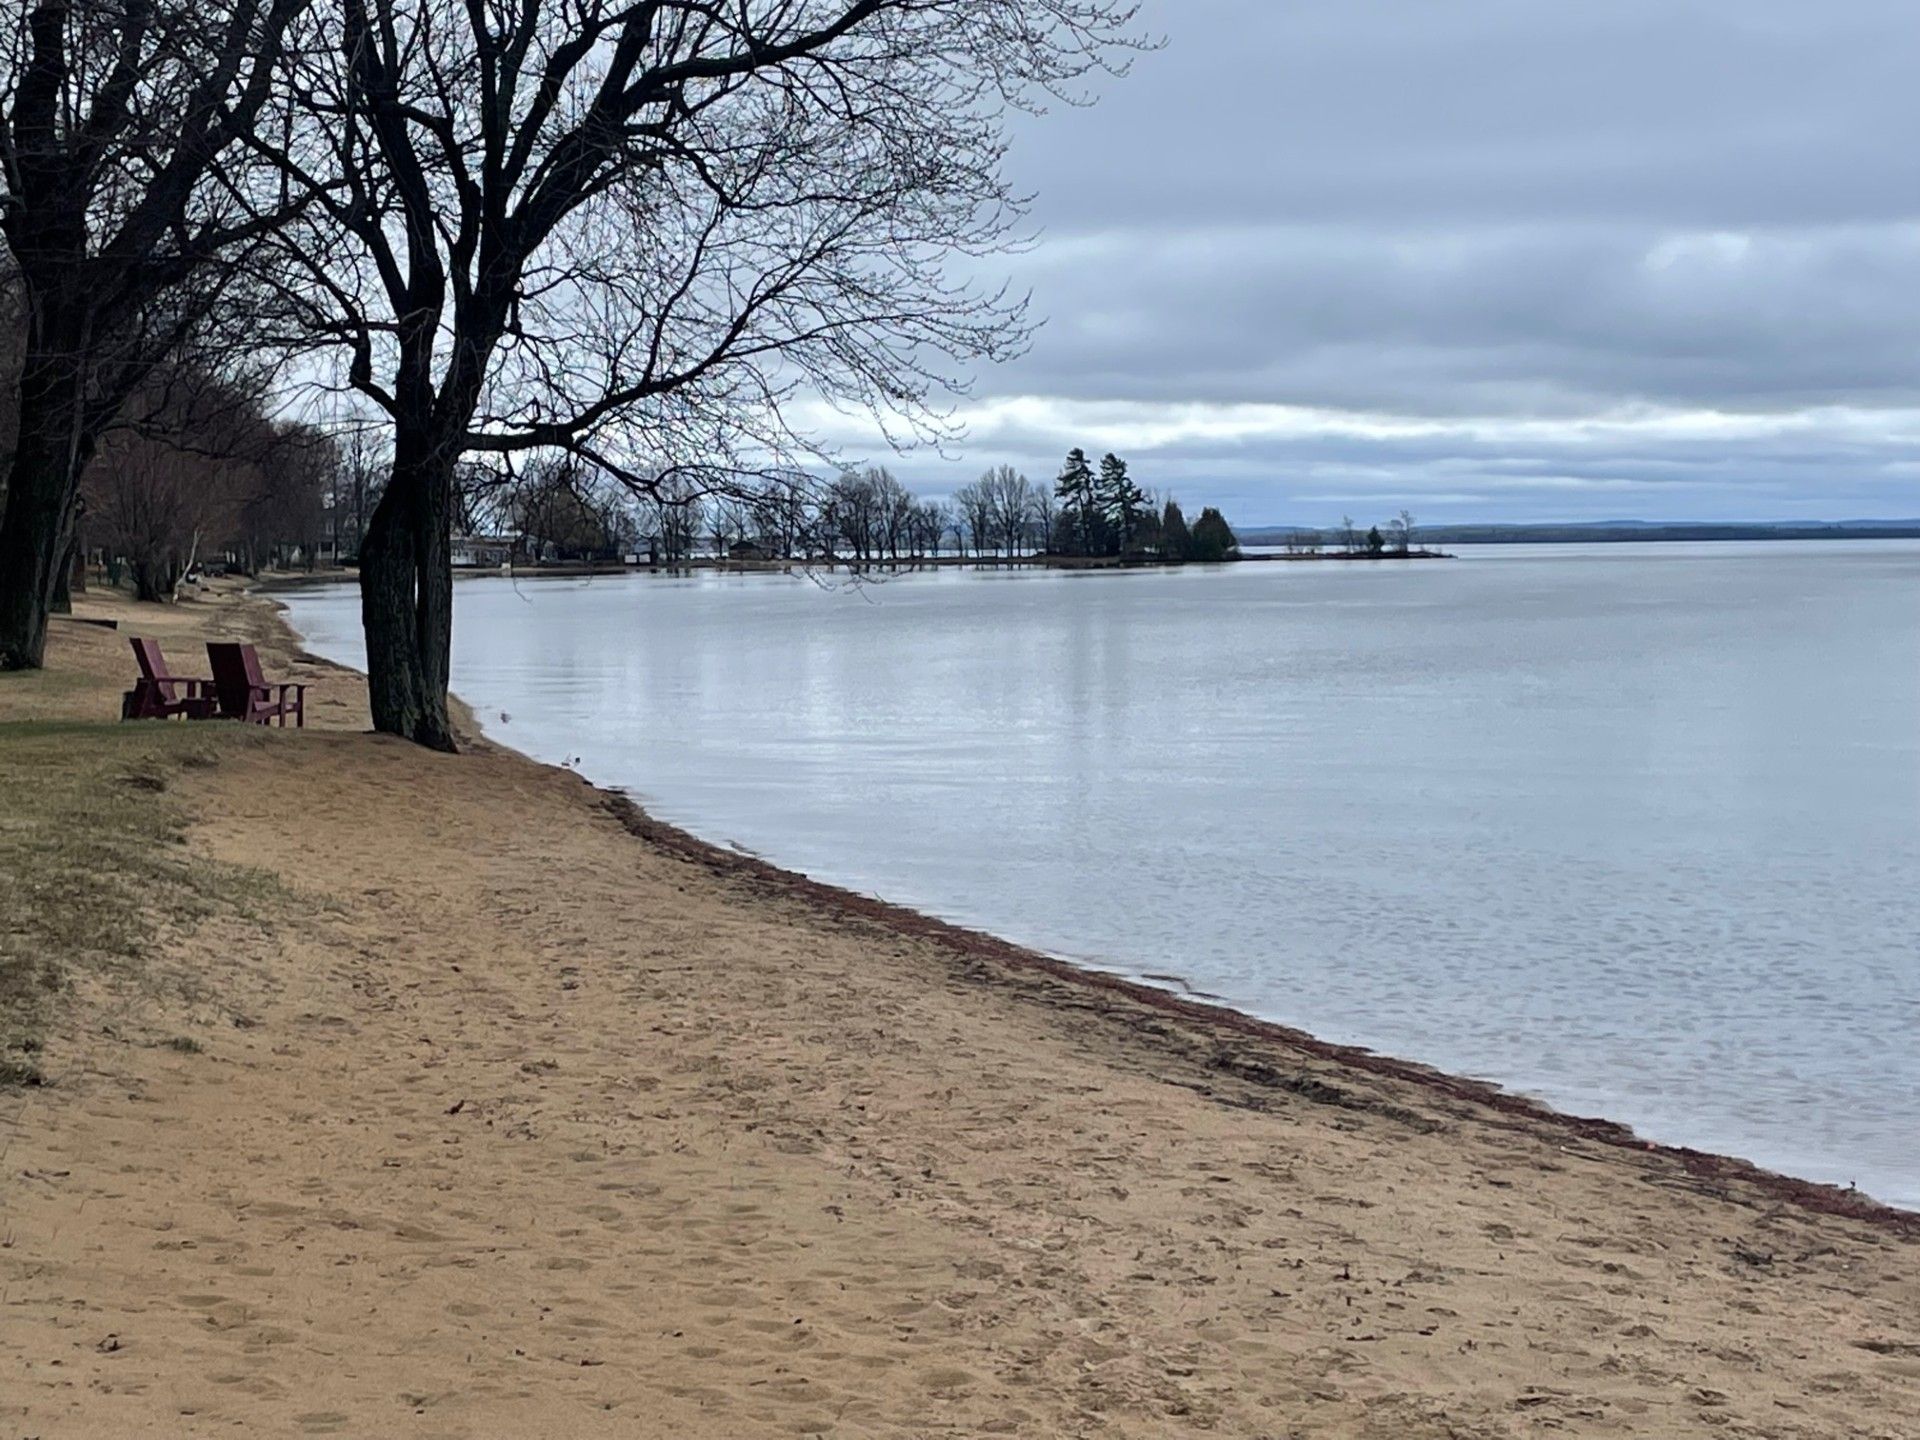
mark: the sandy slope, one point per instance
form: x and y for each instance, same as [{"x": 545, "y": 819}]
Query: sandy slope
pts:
[{"x": 515, "y": 1123}]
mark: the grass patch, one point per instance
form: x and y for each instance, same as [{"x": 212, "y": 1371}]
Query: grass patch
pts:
[
  {"x": 20, "y": 1075},
  {"x": 92, "y": 863},
  {"x": 38, "y": 694}
]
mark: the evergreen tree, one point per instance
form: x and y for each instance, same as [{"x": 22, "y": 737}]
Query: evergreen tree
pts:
[
  {"x": 1212, "y": 536},
  {"x": 1075, "y": 491},
  {"x": 1119, "y": 500},
  {"x": 1376, "y": 542},
  {"x": 1146, "y": 530},
  {"x": 1175, "y": 541}
]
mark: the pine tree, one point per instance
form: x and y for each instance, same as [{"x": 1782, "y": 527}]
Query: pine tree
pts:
[
  {"x": 1213, "y": 538},
  {"x": 1120, "y": 500},
  {"x": 1175, "y": 542},
  {"x": 1074, "y": 489}
]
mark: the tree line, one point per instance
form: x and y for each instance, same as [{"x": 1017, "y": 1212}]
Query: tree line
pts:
[
  {"x": 193, "y": 470},
  {"x": 1105, "y": 513},
  {"x": 864, "y": 516},
  {"x": 639, "y": 235},
  {"x": 196, "y": 471},
  {"x": 1083, "y": 514},
  {"x": 1347, "y": 538}
]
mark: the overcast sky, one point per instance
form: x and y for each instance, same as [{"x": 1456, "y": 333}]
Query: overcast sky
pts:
[{"x": 1487, "y": 259}]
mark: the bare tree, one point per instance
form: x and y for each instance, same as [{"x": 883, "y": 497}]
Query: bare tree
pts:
[
  {"x": 893, "y": 512},
  {"x": 957, "y": 529},
  {"x": 117, "y": 118},
  {"x": 355, "y": 486},
  {"x": 636, "y": 230},
  {"x": 282, "y": 511},
  {"x": 1403, "y": 532},
  {"x": 155, "y": 505},
  {"x": 673, "y": 512},
  {"x": 850, "y": 517},
  {"x": 930, "y": 525},
  {"x": 195, "y": 466},
  {"x": 1009, "y": 498},
  {"x": 973, "y": 505},
  {"x": 732, "y": 520},
  {"x": 1350, "y": 537},
  {"x": 1044, "y": 513},
  {"x": 783, "y": 518}
]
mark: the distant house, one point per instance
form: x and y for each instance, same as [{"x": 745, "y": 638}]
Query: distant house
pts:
[
  {"x": 481, "y": 552},
  {"x": 745, "y": 550}
]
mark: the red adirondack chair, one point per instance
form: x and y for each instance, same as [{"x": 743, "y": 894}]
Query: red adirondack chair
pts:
[
  {"x": 159, "y": 694},
  {"x": 244, "y": 692}
]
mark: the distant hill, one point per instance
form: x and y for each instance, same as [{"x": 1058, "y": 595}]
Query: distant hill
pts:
[{"x": 1605, "y": 531}]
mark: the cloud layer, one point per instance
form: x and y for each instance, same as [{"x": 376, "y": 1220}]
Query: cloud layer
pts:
[{"x": 1489, "y": 259}]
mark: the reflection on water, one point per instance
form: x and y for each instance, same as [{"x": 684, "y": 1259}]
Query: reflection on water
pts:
[{"x": 1635, "y": 829}]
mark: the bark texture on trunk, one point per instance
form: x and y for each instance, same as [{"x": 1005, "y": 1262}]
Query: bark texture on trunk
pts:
[
  {"x": 63, "y": 582},
  {"x": 152, "y": 579},
  {"x": 77, "y": 557},
  {"x": 37, "y": 525},
  {"x": 26, "y": 582},
  {"x": 406, "y": 601}
]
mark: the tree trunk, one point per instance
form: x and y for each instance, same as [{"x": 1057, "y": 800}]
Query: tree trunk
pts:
[
  {"x": 77, "y": 559},
  {"x": 406, "y": 601},
  {"x": 63, "y": 581},
  {"x": 53, "y": 442},
  {"x": 35, "y": 530},
  {"x": 152, "y": 580}
]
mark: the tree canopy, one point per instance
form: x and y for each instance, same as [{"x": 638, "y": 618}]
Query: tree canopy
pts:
[{"x": 636, "y": 233}]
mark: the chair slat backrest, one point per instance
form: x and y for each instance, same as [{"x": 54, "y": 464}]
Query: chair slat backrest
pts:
[
  {"x": 251, "y": 658},
  {"x": 153, "y": 669},
  {"x": 153, "y": 665},
  {"x": 231, "y": 678}
]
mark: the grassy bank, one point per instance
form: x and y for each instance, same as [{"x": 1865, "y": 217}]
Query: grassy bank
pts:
[{"x": 93, "y": 846}]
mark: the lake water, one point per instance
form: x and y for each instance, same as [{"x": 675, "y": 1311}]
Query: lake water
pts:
[{"x": 1633, "y": 829}]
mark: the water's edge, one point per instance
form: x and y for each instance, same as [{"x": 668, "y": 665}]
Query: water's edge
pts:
[{"x": 1156, "y": 990}]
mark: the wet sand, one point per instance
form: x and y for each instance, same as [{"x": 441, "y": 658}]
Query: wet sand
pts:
[{"x": 517, "y": 1113}]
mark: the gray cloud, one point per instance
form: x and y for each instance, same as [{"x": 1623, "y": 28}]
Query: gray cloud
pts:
[
  {"x": 1562, "y": 320},
  {"x": 1504, "y": 257}
]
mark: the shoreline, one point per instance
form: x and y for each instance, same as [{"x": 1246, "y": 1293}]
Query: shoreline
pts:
[
  {"x": 448, "y": 1095},
  {"x": 1221, "y": 1014},
  {"x": 570, "y": 570}
]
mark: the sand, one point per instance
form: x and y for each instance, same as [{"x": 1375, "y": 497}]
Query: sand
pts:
[{"x": 520, "y": 1116}]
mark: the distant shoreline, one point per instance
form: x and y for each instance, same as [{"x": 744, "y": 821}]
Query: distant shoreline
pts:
[
  {"x": 1626, "y": 532},
  {"x": 283, "y": 581}
]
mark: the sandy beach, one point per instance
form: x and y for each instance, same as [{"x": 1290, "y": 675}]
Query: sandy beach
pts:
[{"x": 442, "y": 1096}]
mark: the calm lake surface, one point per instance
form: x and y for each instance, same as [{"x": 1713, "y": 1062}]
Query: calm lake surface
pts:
[{"x": 1635, "y": 829}]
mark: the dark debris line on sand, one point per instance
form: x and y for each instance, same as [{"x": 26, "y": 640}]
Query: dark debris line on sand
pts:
[{"x": 1122, "y": 1000}]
